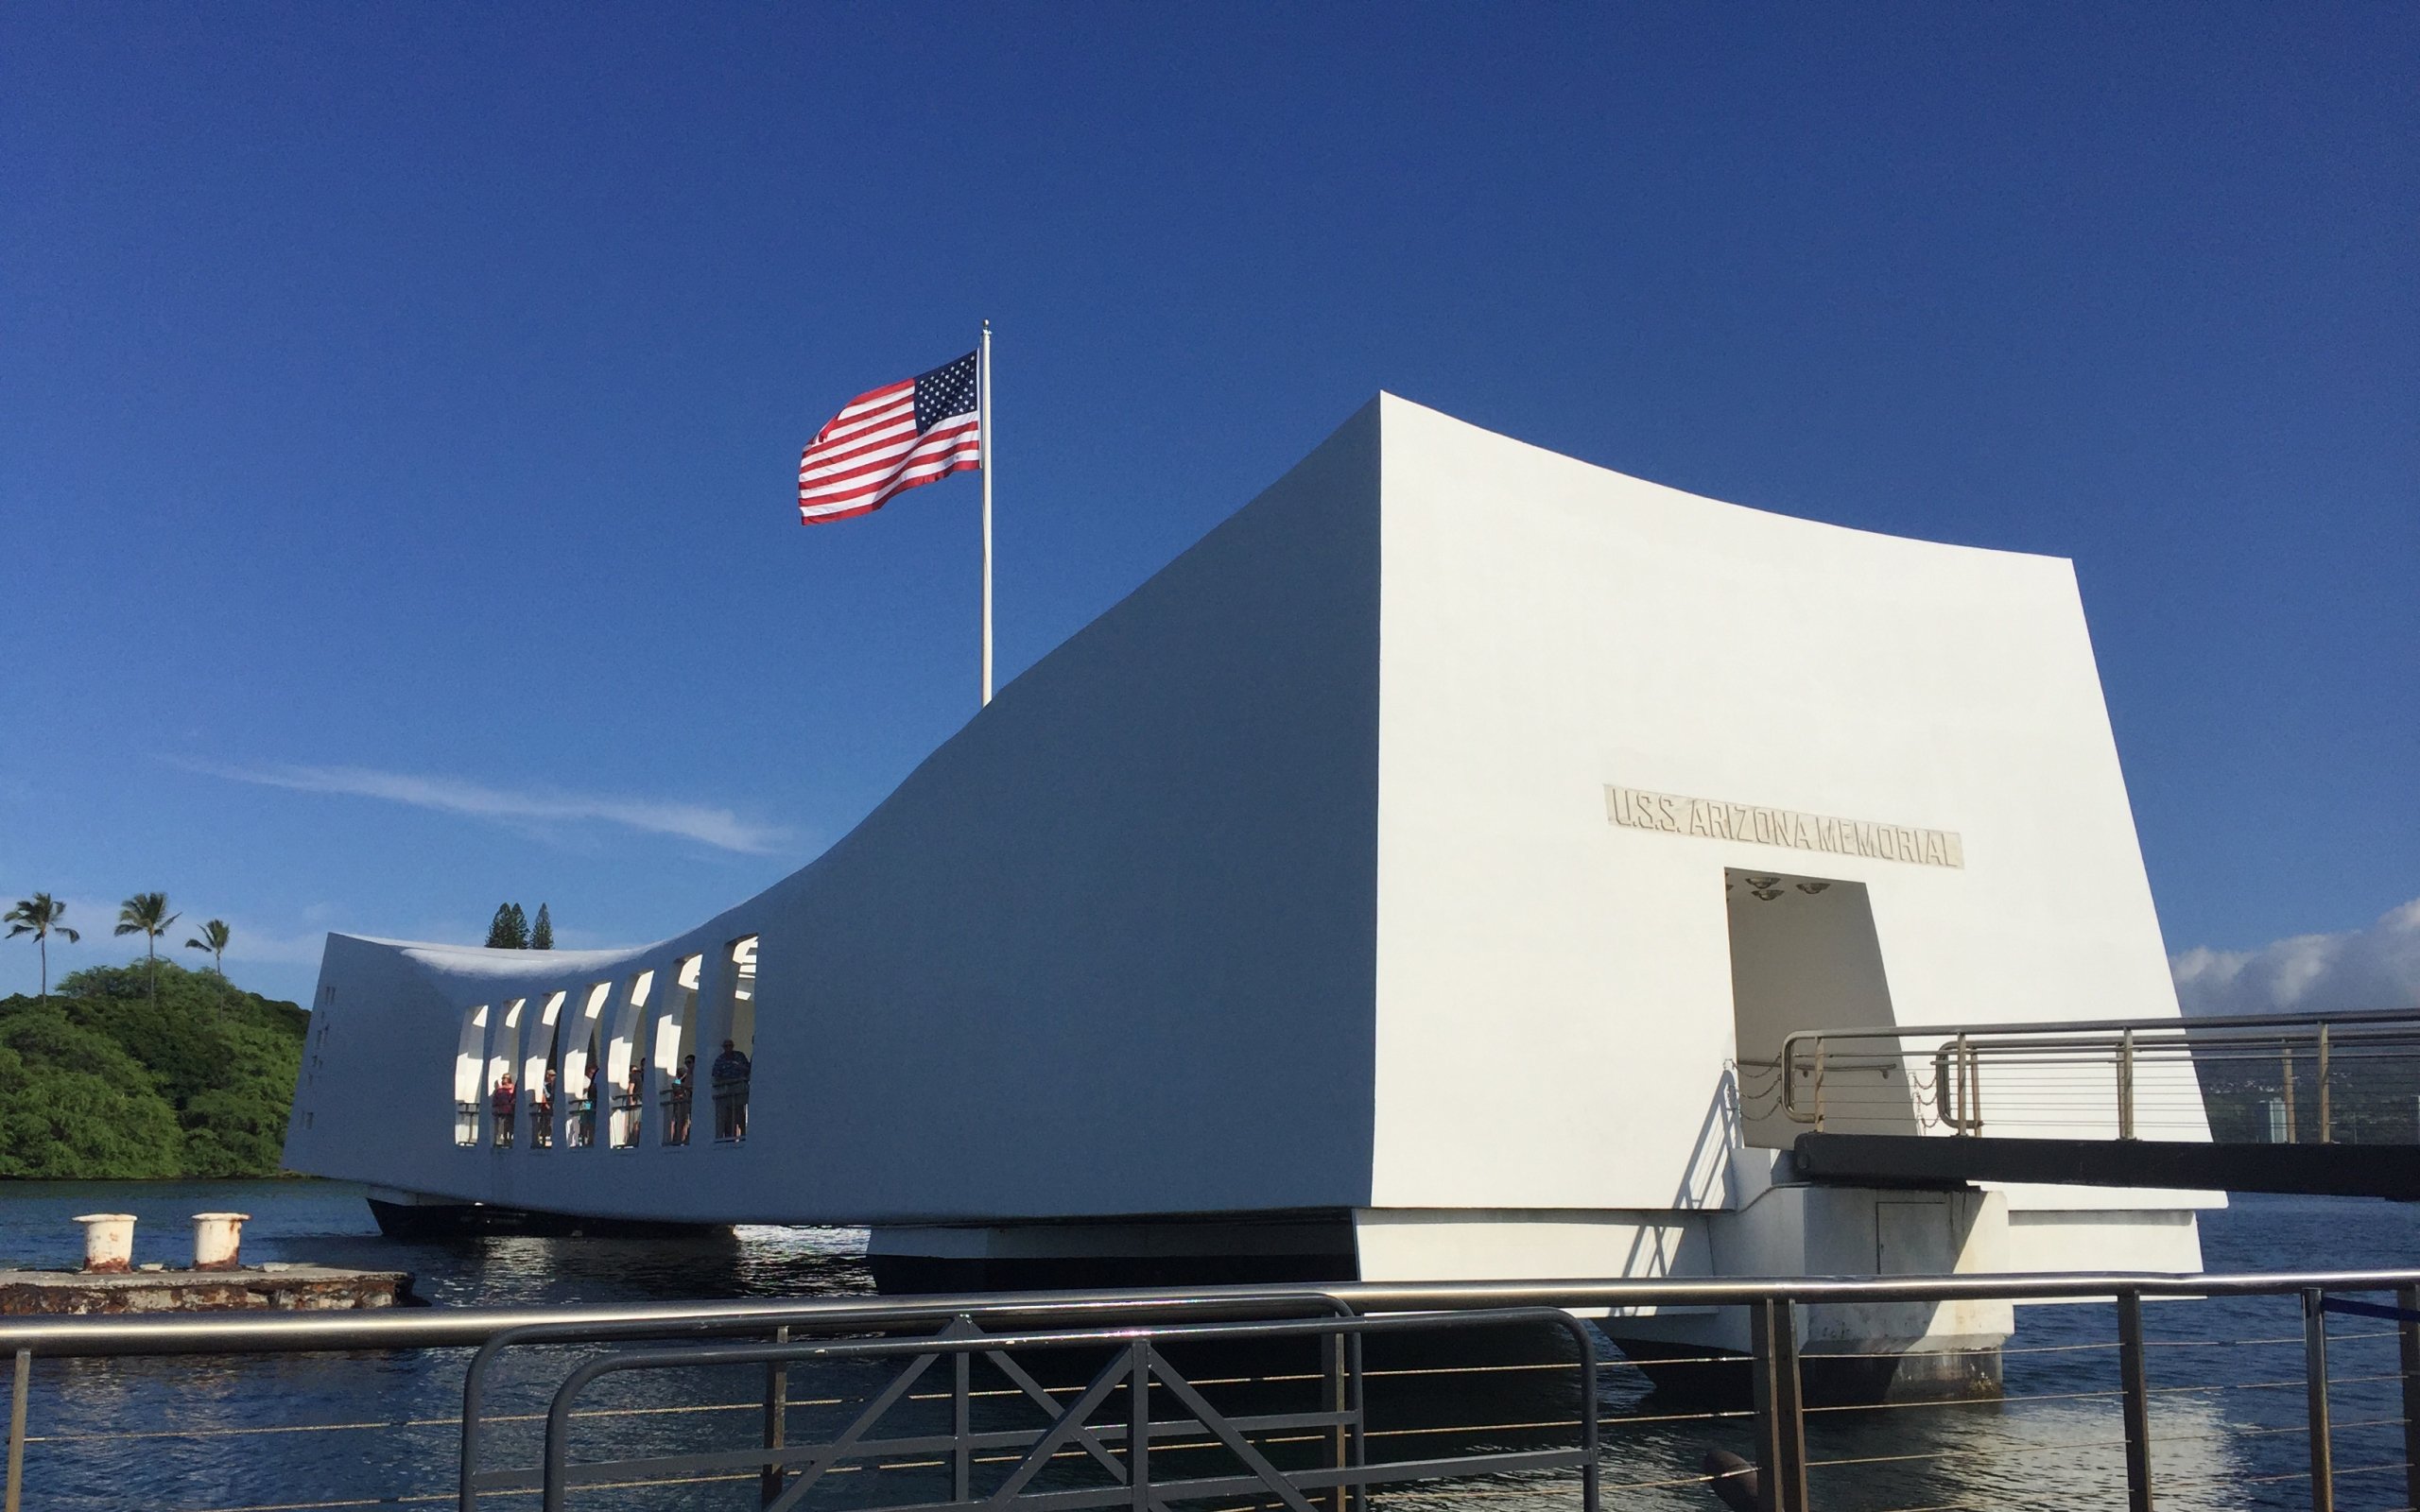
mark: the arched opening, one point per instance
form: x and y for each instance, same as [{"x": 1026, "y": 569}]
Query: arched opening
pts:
[
  {"x": 676, "y": 1056},
  {"x": 626, "y": 1064},
  {"x": 581, "y": 1065},
  {"x": 540, "y": 1071},
  {"x": 503, "y": 1087},
  {"x": 734, "y": 1064},
  {"x": 468, "y": 1053}
]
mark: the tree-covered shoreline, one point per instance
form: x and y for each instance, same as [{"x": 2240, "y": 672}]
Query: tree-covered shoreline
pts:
[{"x": 106, "y": 1082}]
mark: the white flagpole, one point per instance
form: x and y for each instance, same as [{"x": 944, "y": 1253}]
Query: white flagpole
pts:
[{"x": 983, "y": 426}]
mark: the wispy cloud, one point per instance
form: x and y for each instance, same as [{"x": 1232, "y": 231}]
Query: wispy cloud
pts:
[
  {"x": 256, "y": 942},
  {"x": 719, "y": 828},
  {"x": 2346, "y": 973}
]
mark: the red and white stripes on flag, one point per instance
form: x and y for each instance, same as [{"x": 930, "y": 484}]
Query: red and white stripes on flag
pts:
[{"x": 891, "y": 438}]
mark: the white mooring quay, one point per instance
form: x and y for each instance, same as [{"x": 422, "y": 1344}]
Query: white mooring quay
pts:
[{"x": 1415, "y": 880}]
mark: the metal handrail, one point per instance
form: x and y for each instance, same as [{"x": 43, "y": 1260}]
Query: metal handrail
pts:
[
  {"x": 2210, "y": 1021},
  {"x": 1770, "y": 1301},
  {"x": 1957, "y": 1050},
  {"x": 457, "y": 1328},
  {"x": 1019, "y": 1309},
  {"x": 1139, "y": 1363}
]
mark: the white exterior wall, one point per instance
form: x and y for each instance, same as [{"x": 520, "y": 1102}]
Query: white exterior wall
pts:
[
  {"x": 1288, "y": 885},
  {"x": 1108, "y": 951},
  {"x": 1554, "y": 993}
]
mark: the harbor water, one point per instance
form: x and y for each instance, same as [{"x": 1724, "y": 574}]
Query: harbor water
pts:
[{"x": 207, "y": 1434}]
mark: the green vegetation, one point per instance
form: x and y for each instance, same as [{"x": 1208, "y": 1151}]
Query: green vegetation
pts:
[
  {"x": 40, "y": 916},
  {"x": 214, "y": 938},
  {"x": 2371, "y": 1099},
  {"x": 145, "y": 1072},
  {"x": 509, "y": 929},
  {"x": 147, "y": 914}
]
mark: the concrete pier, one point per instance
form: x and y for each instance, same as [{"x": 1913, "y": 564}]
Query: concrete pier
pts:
[{"x": 301, "y": 1288}]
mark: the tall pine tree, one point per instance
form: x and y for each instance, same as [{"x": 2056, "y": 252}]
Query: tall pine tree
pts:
[
  {"x": 542, "y": 933},
  {"x": 509, "y": 929}
]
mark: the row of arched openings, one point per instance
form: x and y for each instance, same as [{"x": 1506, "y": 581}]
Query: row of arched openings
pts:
[{"x": 603, "y": 1062}]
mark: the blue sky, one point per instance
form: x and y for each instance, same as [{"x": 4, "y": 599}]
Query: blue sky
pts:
[{"x": 398, "y": 404}]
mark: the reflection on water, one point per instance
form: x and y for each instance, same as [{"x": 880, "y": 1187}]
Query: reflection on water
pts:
[{"x": 2226, "y": 1377}]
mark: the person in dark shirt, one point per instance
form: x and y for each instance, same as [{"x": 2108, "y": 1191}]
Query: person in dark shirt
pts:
[
  {"x": 501, "y": 1101},
  {"x": 684, "y": 1082},
  {"x": 731, "y": 1065},
  {"x": 729, "y": 1073}
]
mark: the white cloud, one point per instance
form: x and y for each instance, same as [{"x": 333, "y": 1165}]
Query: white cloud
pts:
[
  {"x": 719, "y": 828},
  {"x": 2348, "y": 973}
]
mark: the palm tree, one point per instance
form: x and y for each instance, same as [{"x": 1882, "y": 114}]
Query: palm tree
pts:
[
  {"x": 214, "y": 940},
  {"x": 147, "y": 914},
  {"x": 40, "y": 916}
]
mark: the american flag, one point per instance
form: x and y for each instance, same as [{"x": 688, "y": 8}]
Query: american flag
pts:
[{"x": 891, "y": 438}]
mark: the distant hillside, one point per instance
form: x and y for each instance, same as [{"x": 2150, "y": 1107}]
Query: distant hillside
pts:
[
  {"x": 101, "y": 1084},
  {"x": 2372, "y": 1098}
]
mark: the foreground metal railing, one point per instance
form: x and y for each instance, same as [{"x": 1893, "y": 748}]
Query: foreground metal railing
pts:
[
  {"x": 2252, "y": 1079},
  {"x": 1137, "y": 1370},
  {"x": 1106, "y": 1421}
]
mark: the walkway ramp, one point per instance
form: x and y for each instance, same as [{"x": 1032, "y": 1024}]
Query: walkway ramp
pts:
[
  {"x": 2314, "y": 1170},
  {"x": 2318, "y": 1107}
]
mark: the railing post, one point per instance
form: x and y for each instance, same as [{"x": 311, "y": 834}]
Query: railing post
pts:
[
  {"x": 2126, "y": 1084},
  {"x": 1138, "y": 1427},
  {"x": 2323, "y": 1454},
  {"x": 2327, "y": 1133},
  {"x": 777, "y": 1402},
  {"x": 2407, "y": 1329},
  {"x": 1781, "y": 1424},
  {"x": 1961, "y": 1124},
  {"x": 1332, "y": 1369},
  {"x": 1819, "y": 1086},
  {"x": 1358, "y": 1381},
  {"x": 2293, "y": 1130},
  {"x": 2136, "y": 1394},
  {"x": 17, "y": 1427},
  {"x": 961, "y": 1423},
  {"x": 1591, "y": 1443},
  {"x": 1974, "y": 1085},
  {"x": 1968, "y": 1117}
]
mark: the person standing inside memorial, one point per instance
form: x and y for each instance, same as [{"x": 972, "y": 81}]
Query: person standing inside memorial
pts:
[
  {"x": 501, "y": 1103},
  {"x": 684, "y": 1085},
  {"x": 731, "y": 1070}
]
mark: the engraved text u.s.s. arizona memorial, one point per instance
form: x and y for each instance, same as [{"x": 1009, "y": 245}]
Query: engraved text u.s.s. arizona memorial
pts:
[{"x": 1713, "y": 820}]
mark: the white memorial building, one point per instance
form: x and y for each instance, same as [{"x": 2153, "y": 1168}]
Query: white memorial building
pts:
[{"x": 1403, "y": 884}]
